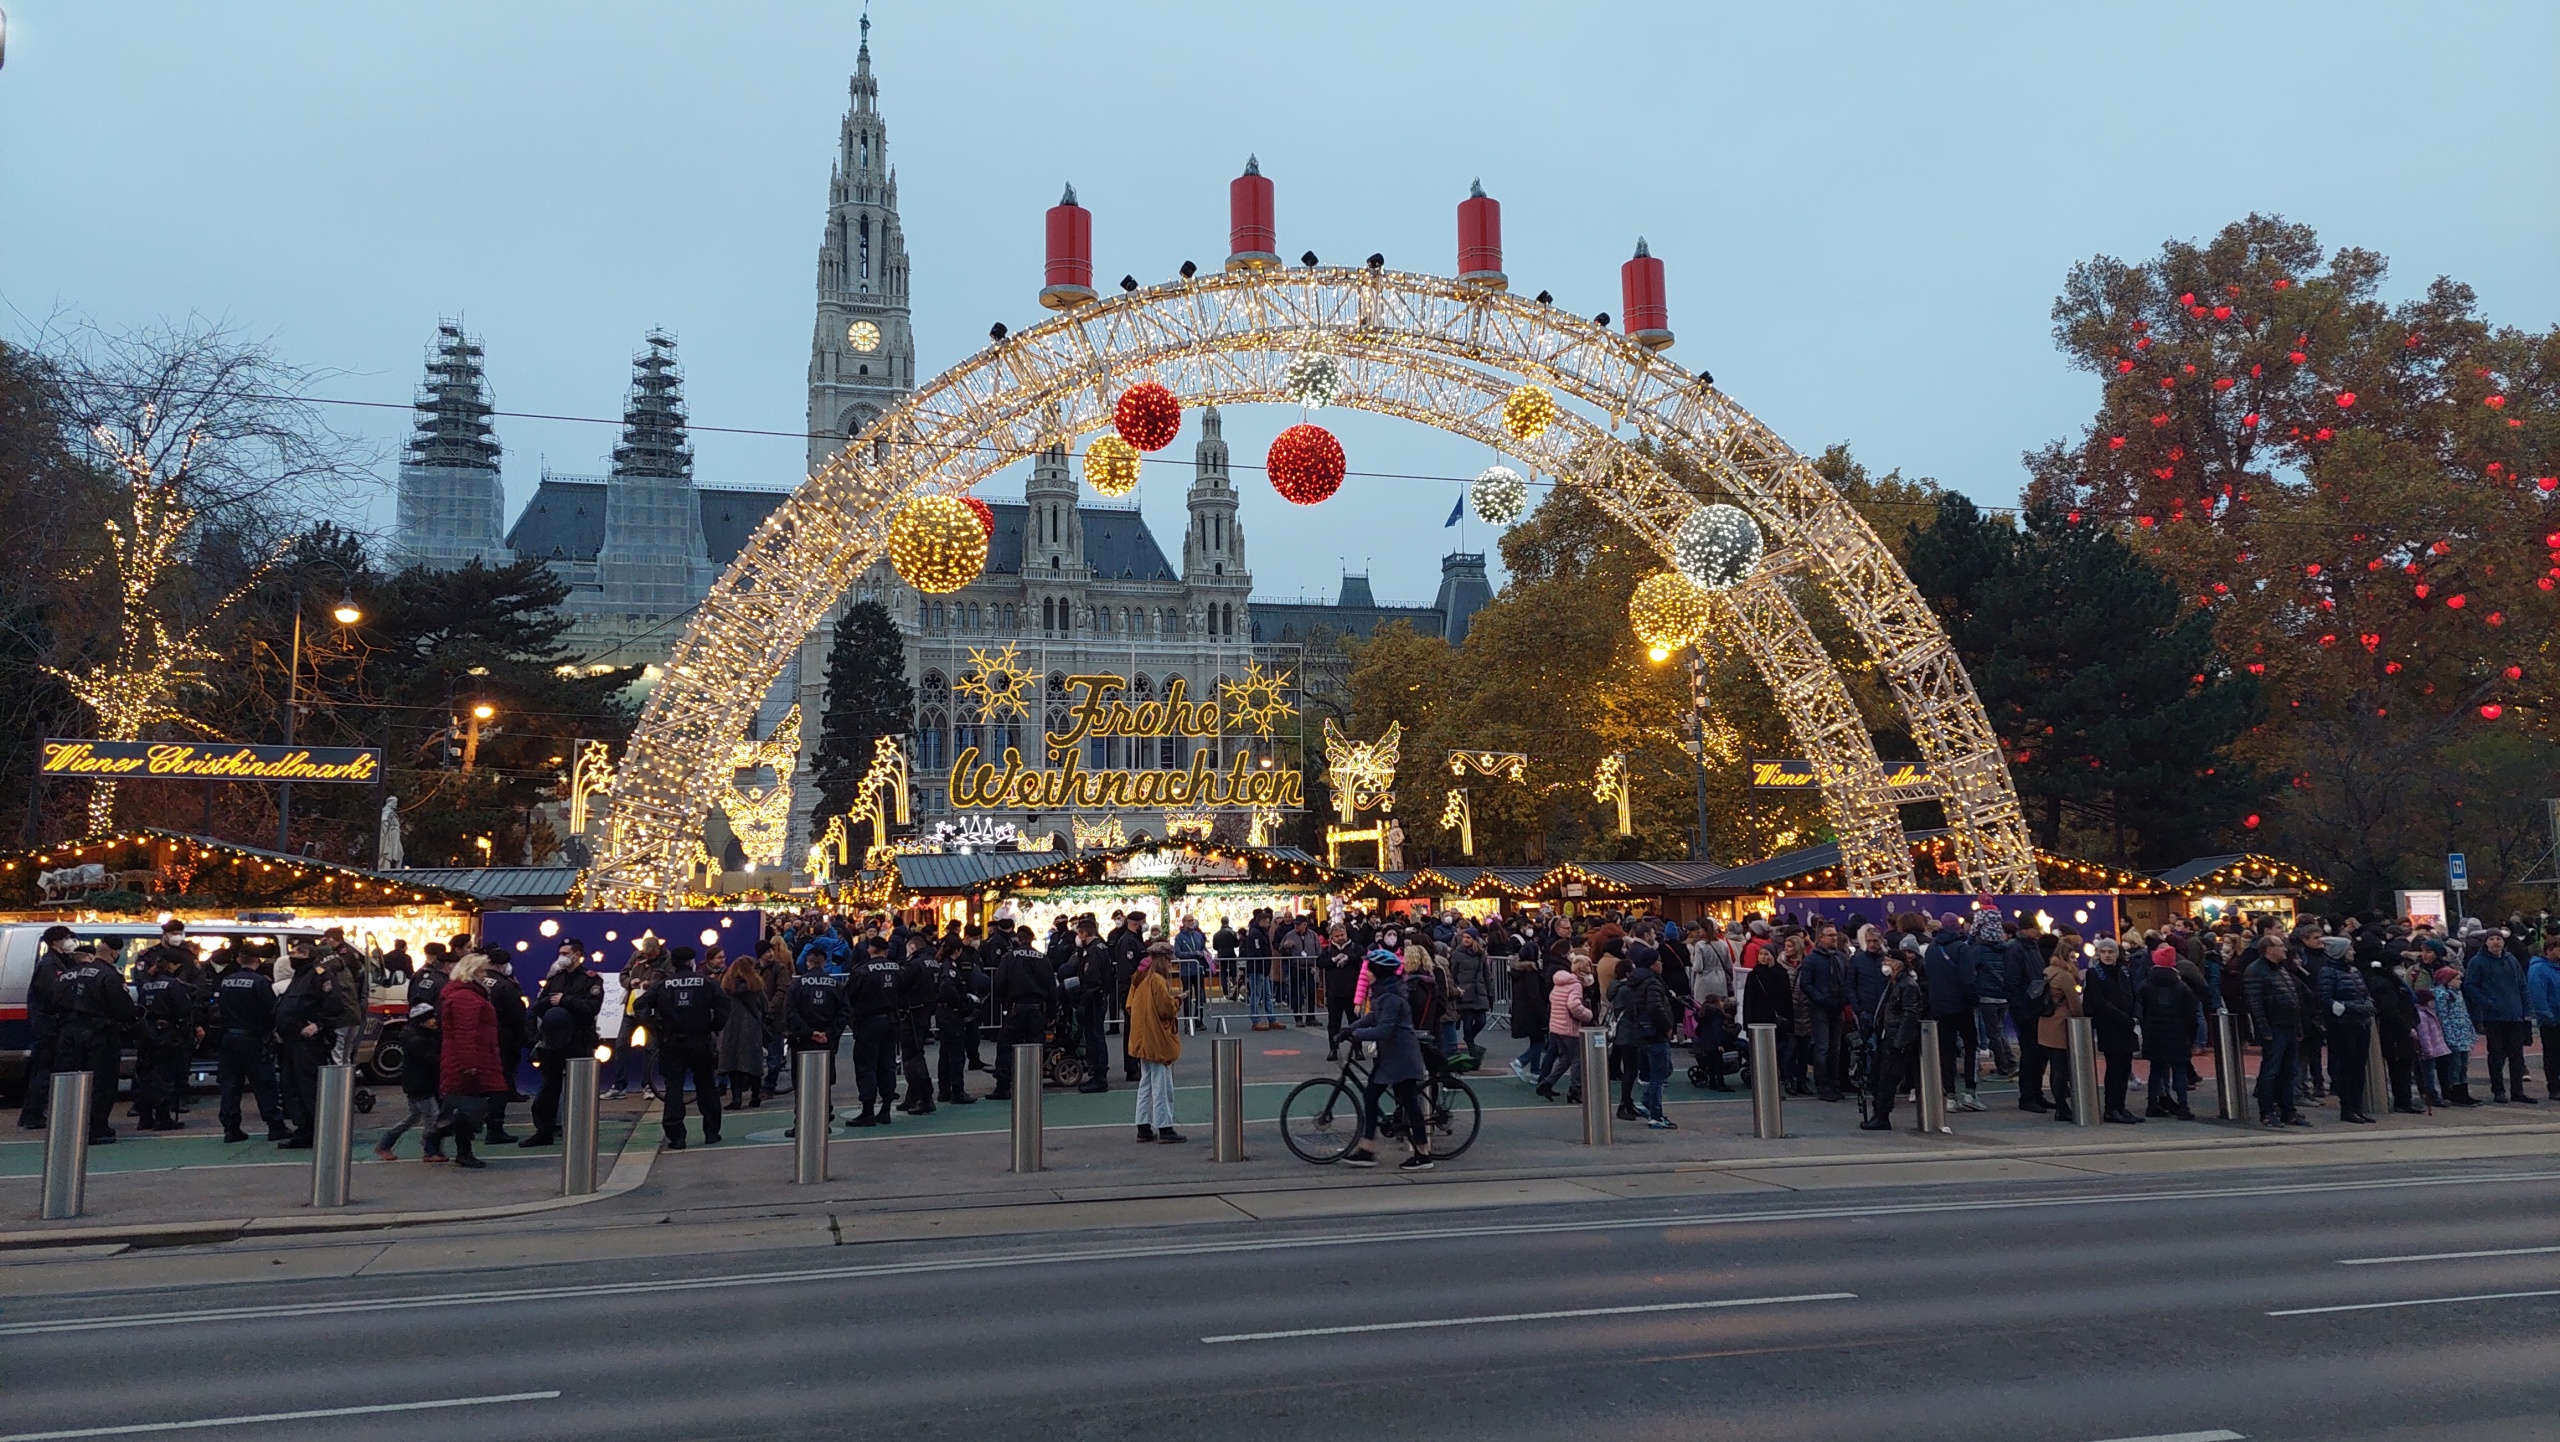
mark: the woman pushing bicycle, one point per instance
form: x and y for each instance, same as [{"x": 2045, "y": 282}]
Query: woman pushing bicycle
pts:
[{"x": 1388, "y": 1023}]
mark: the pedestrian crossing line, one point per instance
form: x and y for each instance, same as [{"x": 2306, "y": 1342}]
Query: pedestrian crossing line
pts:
[
  {"x": 2445, "y": 1256},
  {"x": 2216, "y": 1435},
  {"x": 197, "y": 1424},
  {"x": 1629, "y": 1311},
  {"x": 2415, "y": 1302}
]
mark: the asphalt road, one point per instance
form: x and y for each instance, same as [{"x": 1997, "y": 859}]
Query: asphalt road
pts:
[{"x": 2235, "y": 1304}]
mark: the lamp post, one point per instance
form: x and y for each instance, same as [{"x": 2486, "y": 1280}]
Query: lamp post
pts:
[
  {"x": 480, "y": 711},
  {"x": 345, "y": 613}
]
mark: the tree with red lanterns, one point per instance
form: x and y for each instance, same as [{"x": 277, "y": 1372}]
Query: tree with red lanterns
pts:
[{"x": 2362, "y": 495}]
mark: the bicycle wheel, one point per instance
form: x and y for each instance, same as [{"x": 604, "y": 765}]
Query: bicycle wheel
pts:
[
  {"x": 1320, "y": 1119},
  {"x": 1455, "y": 1116}
]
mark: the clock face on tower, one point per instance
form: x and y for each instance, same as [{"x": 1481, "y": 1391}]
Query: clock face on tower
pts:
[{"x": 863, "y": 335}]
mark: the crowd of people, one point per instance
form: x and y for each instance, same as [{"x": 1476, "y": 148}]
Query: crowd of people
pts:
[{"x": 1847, "y": 1000}]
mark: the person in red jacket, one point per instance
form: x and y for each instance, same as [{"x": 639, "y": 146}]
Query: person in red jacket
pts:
[{"x": 470, "y": 1074}]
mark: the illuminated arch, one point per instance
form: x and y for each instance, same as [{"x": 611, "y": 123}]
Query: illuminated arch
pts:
[{"x": 1424, "y": 348}]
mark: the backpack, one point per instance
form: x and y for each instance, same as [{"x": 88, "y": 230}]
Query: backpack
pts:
[{"x": 2040, "y": 995}]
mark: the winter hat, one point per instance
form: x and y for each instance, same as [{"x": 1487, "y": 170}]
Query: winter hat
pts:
[
  {"x": 2164, "y": 955},
  {"x": 1988, "y": 929},
  {"x": 1951, "y": 921},
  {"x": 2336, "y": 945},
  {"x": 2447, "y": 976}
]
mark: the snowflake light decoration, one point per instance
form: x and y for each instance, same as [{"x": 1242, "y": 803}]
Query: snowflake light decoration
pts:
[
  {"x": 1260, "y": 701},
  {"x": 1501, "y": 497},
  {"x": 999, "y": 683},
  {"x": 1314, "y": 379}
]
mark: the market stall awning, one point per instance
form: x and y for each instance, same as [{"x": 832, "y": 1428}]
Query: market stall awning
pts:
[
  {"x": 2249, "y": 871},
  {"x": 1817, "y": 869},
  {"x": 147, "y": 868},
  {"x": 510, "y": 885}
]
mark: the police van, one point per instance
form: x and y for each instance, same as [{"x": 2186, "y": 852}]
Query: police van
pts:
[{"x": 21, "y": 943}]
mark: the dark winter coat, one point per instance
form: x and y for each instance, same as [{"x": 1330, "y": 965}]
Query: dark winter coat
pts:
[
  {"x": 2495, "y": 986},
  {"x": 1948, "y": 975},
  {"x": 2275, "y": 999},
  {"x": 1389, "y": 1023},
  {"x": 2166, "y": 1005},
  {"x": 2106, "y": 998}
]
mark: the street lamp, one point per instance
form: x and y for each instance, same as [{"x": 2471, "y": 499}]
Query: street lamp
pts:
[
  {"x": 345, "y": 613},
  {"x": 480, "y": 711}
]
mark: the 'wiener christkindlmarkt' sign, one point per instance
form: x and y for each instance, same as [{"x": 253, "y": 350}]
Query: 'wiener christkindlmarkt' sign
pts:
[
  {"x": 1789, "y": 774},
  {"x": 1095, "y": 715},
  {"x": 210, "y": 761}
]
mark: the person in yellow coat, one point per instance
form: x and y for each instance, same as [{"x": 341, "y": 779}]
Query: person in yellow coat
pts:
[{"x": 1155, "y": 1041}]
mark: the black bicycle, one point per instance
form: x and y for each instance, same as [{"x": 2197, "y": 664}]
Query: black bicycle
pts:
[{"x": 1320, "y": 1118}]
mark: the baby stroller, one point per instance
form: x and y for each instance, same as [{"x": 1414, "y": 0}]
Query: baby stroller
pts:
[{"x": 1719, "y": 1048}]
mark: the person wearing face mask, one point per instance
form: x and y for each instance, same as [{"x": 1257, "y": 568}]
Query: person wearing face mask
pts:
[
  {"x": 308, "y": 1016},
  {"x": 565, "y": 1012},
  {"x": 685, "y": 1012},
  {"x": 166, "y": 1010},
  {"x": 43, "y": 1024},
  {"x": 244, "y": 1010},
  {"x": 2347, "y": 1003},
  {"x": 1900, "y": 1008},
  {"x": 93, "y": 1013}
]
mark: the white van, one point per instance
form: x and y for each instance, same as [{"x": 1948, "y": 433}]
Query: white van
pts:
[{"x": 21, "y": 943}]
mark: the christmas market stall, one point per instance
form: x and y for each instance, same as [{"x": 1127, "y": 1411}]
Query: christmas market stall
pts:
[
  {"x": 1679, "y": 890},
  {"x": 2241, "y": 888},
  {"x": 148, "y": 873},
  {"x": 1161, "y": 878},
  {"x": 2090, "y": 897}
]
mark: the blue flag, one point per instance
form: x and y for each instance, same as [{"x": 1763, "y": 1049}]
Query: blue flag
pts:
[{"x": 1456, "y": 511}]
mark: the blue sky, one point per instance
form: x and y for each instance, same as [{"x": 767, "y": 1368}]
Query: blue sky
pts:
[{"x": 1865, "y": 210}]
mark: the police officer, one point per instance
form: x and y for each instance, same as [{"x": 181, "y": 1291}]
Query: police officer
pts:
[
  {"x": 685, "y": 1011},
  {"x": 179, "y": 955},
  {"x": 565, "y": 1012},
  {"x": 813, "y": 1016},
  {"x": 93, "y": 1014},
  {"x": 515, "y": 1033},
  {"x": 244, "y": 1012},
  {"x": 308, "y": 1016},
  {"x": 1026, "y": 987},
  {"x": 167, "y": 1012},
  {"x": 917, "y": 990},
  {"x": 43, "y": 1025},
  {"x": 871, "y": 993},
  {"x": 959, "y": 992},
  {"x": 1086, "y": 983}
]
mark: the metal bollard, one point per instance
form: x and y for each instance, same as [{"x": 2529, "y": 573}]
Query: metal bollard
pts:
[
  {"x": 578, "y": 1128},
  {"x": 813, "y": 1104},
  {"x": 1933, "y": 1083},
  {"x": 2377, "y": 1080},
  {"x": 2086, "y": 1105},
  {"x": 1768, "y": 1096},
  {"x": 1026, "y": 1106},
  {"x": 1226, "y": 1096},
  {"x": 2230, "y": 1069},
  {"x": 1597, "y": 1113},
  {"x": 332, "y": 1134},
  {"x": 66, "y": 1145}
]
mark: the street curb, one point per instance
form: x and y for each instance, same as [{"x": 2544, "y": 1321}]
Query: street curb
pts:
[{"x": 630, "y": 1168}]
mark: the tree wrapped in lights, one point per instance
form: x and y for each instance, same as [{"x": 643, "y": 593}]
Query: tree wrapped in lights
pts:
[{"x": 154, "y": 658}]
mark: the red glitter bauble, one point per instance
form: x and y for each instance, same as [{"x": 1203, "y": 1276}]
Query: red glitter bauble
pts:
[
  {"x": 985, "y": 513},
  {"x": 1305, "y": 464},
  {"x": 1147, "y": 416}
]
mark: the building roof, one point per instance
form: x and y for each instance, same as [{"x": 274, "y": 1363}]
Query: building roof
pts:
[
  {"x": 565, "y": 519},
  {"x": 1117, "y": 544},
  {"x": 515, "y": 885},
  {"x": 965, "y": 871},
  {"x": 2242, "y": 870}
]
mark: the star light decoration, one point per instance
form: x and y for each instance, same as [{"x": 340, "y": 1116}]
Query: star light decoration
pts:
[
  {"x": 1001, "y": 683},
  {"x": 1260, "y": 700},
  {"x": 937, "y": 545},
  {"x": 760, "y": 816},
  {"x": 1501, "y": 497},
  {"x": 1362, "y": 773},
  {"x": 1111, "y": 466},
  {"x": 1528, "y": 411},
  {"x": 1313, "y": 380},
  {"x": 1717, "y": 546},
  {"x": 153, "y": 660},
  {"x": 1501, "y": 765},
  {"x": 1610, "y": 783},
  {"x": 1456, "y": 814}
]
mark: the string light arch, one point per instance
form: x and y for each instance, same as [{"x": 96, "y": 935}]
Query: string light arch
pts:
[{"x": 1422, "y": 348}]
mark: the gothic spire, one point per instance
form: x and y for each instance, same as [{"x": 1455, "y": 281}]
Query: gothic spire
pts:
[
  {"x": 453, "y": 431},
  {"x": 653, "y": 435}
]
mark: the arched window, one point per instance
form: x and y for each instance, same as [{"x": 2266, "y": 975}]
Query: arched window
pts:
[
  {"x": 933, "y": 718},
  {"x": 973, "y": 616}
]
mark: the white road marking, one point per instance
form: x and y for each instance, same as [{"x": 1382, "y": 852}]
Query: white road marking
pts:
[
  {"x": 201, "y": 1422},
  {"x": 998, "y": 1261},
  {"x": 2383, "y": 1306},
  {"x": 2444, "y": 1256},
  {"x": 1528, "y": 1317},
  {"x": 2216, "y": 1435}
]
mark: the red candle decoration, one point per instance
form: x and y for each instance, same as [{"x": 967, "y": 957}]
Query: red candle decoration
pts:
[
  {"x": 1305, "y": 464},
  {"x": 985, "y": 513},
  {"x": 1147, "y": 416}
]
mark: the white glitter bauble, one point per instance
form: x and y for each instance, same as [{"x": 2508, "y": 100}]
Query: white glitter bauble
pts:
[
  {"x": 1501, "y": 497},
  {"x": 1717, "y": 546},
  {"x": 1314, "y": 379}
]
